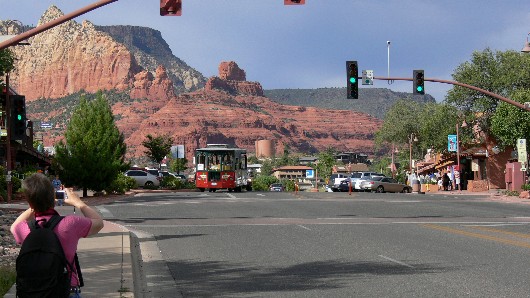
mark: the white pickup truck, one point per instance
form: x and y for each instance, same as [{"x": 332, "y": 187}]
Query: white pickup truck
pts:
[{"x": 335, "y": 180}]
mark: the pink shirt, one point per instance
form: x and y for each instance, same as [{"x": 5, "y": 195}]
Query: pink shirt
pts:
[{"x": 69, "y": 231}]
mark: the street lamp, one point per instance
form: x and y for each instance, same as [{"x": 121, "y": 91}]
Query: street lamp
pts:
[
  {"x": 464, "y": 124},
  {"x": 526, "y": 48},
  {"x": 412, "y": 138}
]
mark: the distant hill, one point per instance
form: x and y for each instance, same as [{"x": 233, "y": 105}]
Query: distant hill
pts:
[{"x": 374, "y": 101}]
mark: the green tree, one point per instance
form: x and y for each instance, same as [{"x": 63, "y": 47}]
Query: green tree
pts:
[
  {"x": 499, "y": 72},
  {"x": 94, "y": 152},
  {"x": 400, "y": 122},
  {"x": 326, "y": 161},
  {"x": 157, "y": 147},
  {"x": 178, "y": 164},
  {"x": 509, "y": 122},
  {"x": 266, "y": 167},
  {"x": 437, "y": 121},
  {"x": 7, "y": 60}
]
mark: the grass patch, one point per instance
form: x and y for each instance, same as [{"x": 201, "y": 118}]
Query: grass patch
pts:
[{"x": 7, "y": 279}]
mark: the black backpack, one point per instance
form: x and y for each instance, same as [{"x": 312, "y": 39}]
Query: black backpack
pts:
[{"x": 42, "y": 268}]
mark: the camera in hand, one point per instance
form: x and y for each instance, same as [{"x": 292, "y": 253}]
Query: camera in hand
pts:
[{"x": 61, "y": 195}]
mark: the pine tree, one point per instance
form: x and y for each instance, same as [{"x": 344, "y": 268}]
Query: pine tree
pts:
[{"x": 94, "y": 152}]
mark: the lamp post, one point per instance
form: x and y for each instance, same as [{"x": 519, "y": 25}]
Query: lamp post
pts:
[
  {"x": 412, "y": 138},
  {"x": 464, "y": 124},
  {"x": 526, "y": 48}
]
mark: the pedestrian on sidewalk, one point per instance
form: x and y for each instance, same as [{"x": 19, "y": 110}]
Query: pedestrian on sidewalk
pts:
[
  {"x": 39, "y": 193},
  {"x": 445, "y": 181},
  {"x": 58, "y": 185}
]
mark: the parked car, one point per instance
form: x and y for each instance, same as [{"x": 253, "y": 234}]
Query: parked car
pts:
[
  {"x": 385, "y": 184},
  {"x": 153, "y": 172},
  {"x": 358, "y": 177},
  {"x": 345, "y": 185},
  {"x": 143, "y": 178},
  {"x": 277, "y": 187},
  {"x": 167, "y": 173},
  {"x": 335, "y": 180}
]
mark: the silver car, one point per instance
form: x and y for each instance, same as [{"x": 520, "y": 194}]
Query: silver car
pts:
[
  {"x": 384, "y": 184},
  {"x": 143, "y": 178}
]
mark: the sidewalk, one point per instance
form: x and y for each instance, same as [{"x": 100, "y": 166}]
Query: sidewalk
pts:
[{"x": 105, "y": 261}]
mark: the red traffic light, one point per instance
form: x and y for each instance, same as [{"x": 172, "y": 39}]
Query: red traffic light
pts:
[
  {"x": 293, "y": 2},
  {"x": 171, "y": 7}
]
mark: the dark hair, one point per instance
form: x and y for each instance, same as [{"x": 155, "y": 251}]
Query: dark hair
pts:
[{"x": 39, "y": 192}]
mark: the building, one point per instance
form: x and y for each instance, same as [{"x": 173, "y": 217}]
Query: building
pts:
[{"x": 291, "y": 172}]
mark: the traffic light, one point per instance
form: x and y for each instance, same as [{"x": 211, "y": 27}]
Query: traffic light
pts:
[
  {"x": 170, "y": 7},
  {"x": 293, "y": 2},
  {"x": 419, "y": 81},
  {"x": 352, "y": 72},
  {"x": 18, "y": 117}
]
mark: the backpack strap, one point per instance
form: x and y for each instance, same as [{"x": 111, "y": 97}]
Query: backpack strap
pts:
[{"x": 54, "y": 220}]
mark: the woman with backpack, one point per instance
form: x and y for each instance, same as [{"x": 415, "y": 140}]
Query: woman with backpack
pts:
[{"x": 34, "y": 225}]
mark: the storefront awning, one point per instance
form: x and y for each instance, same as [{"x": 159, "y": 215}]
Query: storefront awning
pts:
[{"x": 444, "y": 163}]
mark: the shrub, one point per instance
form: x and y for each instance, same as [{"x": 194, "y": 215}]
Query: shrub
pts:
[
  {"x": 121, "y": 184},
  {"x": 171, "y": 182},
  {"x": 525, "y": 186},
  {"x": 262, "y": 182},
  {"x": 288, "y": 185}
]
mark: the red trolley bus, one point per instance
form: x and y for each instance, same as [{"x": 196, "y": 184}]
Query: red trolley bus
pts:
[{"x": 219, "y": 166}]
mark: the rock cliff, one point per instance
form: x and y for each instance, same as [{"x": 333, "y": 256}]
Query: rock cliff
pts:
[{"x": 73, "y": 57}]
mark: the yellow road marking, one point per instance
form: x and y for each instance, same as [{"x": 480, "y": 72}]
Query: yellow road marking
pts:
[
  {"x": 487, "y": 229},
  {"x": 477, "y": 235}
]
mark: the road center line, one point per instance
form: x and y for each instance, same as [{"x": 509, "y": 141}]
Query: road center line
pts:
[
  {"x": 301, "y": 226},
  {"x": 396, "y": 261}
]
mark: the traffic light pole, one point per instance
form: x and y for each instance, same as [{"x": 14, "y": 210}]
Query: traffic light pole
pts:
[
  {"x": 9, "y": 164},
  {"x": 506, "y": 100}
]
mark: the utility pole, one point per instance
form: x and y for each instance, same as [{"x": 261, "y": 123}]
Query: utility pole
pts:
[{"x": 9, "y": 163}]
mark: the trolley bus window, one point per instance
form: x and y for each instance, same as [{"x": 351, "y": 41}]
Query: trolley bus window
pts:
[{"x": 201, "y": 161}]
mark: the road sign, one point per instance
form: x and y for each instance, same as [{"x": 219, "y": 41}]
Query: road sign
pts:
[
  {"x": 521, "y": 151},
  {"x": 309, "y": 174},
  {"x": 451, "y": 143},
  {"x": 368, "y": 77}
]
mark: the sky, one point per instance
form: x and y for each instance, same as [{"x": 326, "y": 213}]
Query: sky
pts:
[{"x": 307, "y": 46}]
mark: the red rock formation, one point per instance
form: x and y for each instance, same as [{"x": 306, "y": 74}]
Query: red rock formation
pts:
[
  {"x": 232, "y": 79},
  {"x": 156, "y": 88},
  {"x": 202, "y": 117},
  {"x": 69, "y": 58},
  {"x": 230, "y": 71}
]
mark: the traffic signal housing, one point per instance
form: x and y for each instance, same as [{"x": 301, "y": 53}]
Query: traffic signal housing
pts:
[
  {"x": 170, "y": 7},
  {"x": 352, "y": 73},
  {"x": 18, "y": 117},
  {"x": 293, "y": 2},
  {"x": 418, "y": 78}
]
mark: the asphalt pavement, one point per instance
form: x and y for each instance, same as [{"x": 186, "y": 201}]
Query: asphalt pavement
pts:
[{"x": 108, "y": 269}]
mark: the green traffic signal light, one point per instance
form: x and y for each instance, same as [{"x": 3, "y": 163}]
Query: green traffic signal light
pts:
[
  {"x": 353, "y": 80},
  {"x": 419, "y": 89},
  {"x": 19, "y": 117}
]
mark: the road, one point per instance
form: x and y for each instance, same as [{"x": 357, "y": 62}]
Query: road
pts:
[{"x": 254, "y": 244}]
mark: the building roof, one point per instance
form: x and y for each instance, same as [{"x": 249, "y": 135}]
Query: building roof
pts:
[{"x": 284, "y": 168}]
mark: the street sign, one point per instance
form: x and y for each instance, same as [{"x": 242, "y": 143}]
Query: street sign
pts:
[
  {"x": 45, "y": 125},
  {"x": 309, "y": 174},
  {"x": 368, "y": 77},
  {"x": 521, "y": 151},
  {"x": 451, "y": 143}
]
